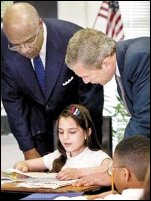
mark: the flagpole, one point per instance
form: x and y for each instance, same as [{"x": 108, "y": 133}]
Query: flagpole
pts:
[
  {"x": 95, "y": 21},
  {"x": 96, "y": 18}
]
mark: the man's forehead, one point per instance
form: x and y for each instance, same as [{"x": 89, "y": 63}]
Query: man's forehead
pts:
[
  {"x": 18, "y": 35},
  {"x": 79, "y": 66},
  {"x": 80, "y": 70},
  {"x": 84, "y": 69}
]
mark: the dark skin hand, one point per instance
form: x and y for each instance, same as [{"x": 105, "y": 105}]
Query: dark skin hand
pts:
[{"x": 33, "y": 153}]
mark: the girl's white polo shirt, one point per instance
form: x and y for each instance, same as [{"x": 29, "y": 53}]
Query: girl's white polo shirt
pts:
[{"x": 87, "y": 158}]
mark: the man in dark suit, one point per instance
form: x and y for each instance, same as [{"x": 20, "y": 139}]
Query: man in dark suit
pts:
[
  {"x": 33, "y": 102},
  {"x": 97, "y": 58}
]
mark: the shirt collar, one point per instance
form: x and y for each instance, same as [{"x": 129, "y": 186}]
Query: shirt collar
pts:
[
  {"x": 43, "y": 49},
  {"x": 117, "y": 72},
  {"x": 136, "y": 192},
  {"x": 68, "y": 154}
]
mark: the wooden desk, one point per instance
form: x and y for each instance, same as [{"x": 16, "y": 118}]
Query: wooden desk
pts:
[
  {"x": 11, "y": 187},
  {"x": 9, "y": 191}
]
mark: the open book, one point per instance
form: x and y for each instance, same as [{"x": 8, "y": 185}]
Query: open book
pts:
[{"x": 35, "y": 179}]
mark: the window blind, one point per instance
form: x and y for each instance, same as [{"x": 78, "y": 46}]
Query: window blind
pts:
[{"x": 136, "y": 18}]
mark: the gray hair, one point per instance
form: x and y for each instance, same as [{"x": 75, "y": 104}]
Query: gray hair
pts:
[{"x": 89, "y": 47}]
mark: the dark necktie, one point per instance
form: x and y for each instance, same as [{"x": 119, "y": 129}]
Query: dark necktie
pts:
[
  {"x": 40, "y": 72},
  {"x": 119, "y": 82}
]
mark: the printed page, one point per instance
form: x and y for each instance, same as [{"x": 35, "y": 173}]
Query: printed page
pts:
[
  {"x": 36, "y": 179},
  {"x": 17, "y": 174},
  {"x": 45, "y": 183}
]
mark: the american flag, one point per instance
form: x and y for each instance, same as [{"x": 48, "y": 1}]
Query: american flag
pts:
[{"x": 109, "y": 11}]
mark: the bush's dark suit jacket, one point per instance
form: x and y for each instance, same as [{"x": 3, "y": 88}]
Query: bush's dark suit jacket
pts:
[
  {"x": 29, "y": 113},
  {"x": 133, "y": 58}
]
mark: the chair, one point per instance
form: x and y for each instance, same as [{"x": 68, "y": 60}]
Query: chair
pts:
[
  {"x": 107, "y": 134},
  {"x": 5, "y": 129}
]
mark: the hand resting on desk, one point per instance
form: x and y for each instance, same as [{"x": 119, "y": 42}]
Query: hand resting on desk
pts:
[
  {"x": 68, "y": 173},
  {"x": 22, "y": 166},
  {"x": 94, "y": 179}
]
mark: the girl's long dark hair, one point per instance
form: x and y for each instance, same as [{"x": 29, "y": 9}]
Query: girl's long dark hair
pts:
[{"x": 81, "y": 116}]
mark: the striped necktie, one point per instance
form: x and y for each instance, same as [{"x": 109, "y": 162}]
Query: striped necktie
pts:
[
  {"x": 40, "y": 72},
  {"x": 119, "y": 82}
]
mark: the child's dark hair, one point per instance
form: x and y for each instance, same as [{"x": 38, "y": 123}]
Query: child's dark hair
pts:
[
  {"x": 81, "y": 116},
  {"x": 134, "y": 153}
]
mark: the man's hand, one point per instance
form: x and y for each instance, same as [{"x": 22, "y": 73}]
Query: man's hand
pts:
[
  {"x": 100, "y": 179},
  {"x": 33, "y": 153}
]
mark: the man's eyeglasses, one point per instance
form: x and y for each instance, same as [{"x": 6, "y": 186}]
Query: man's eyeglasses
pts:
[{"x": 31, "y": 41}]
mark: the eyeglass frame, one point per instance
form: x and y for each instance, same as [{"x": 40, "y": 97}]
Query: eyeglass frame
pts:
[
  {"x": 15, "y": 48},
  {"x": 111, "y": 168}
]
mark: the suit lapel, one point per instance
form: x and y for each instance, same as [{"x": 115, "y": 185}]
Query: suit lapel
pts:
[
  {"x": 54, "y": 61},
  {"x": 120, "y": 54}
]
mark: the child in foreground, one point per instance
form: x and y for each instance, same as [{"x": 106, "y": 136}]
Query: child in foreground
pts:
[{"x": 78, "y": 153}]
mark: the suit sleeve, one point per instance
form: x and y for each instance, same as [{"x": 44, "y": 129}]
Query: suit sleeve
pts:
[
  {"x": 16, "y": 109},
  {"x": 139, "y": 123},
  {"x": 92, "y": 96}
]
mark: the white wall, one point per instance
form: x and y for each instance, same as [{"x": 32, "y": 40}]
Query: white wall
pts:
[
  {"x": 10, "y": 152},
  {"x": 72, "y": 11},
  {"x": 82, "y": 13}
]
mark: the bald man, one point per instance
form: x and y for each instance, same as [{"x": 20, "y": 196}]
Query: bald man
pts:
[{"x": 32, "y": 109}]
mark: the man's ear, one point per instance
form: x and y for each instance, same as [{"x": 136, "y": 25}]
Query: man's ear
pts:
[
  {"x": 126, "y": 174},
  {"x": 41, "y": 22},
  {"x": 106, "y": 62}
]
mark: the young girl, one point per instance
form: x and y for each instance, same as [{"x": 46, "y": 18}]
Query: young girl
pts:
[{"x": 78, "y": 154}]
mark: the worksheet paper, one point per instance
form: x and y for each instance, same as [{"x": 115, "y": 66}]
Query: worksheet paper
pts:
[{"x": 35, "y": 179}]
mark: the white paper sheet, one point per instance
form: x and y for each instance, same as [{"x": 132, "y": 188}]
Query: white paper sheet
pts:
[
  {"x": 45, "y": 183},
  {"x": 35, "y": 179},
  {"x": 10, "y": 173}
]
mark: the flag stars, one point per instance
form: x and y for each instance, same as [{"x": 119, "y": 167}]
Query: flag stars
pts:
[{"x": 114, "y": 5}]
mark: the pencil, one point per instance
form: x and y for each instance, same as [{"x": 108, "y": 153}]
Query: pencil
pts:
[{"x": 112, "y": 182}]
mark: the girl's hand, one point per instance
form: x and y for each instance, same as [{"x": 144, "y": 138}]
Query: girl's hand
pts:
[
  {"x": 68, "y": 173},
  {"x": 22, "y": 166}
]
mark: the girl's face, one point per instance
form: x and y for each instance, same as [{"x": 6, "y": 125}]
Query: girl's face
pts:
[{"x": 71, "y": 136}]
